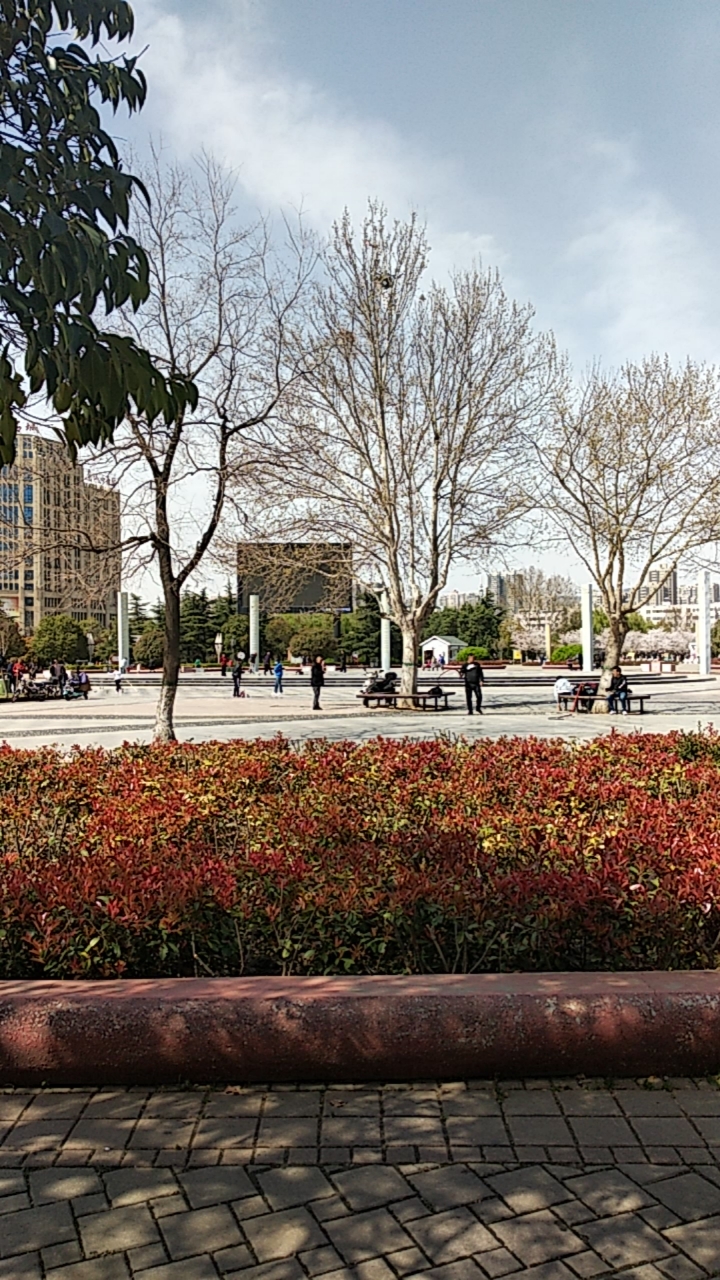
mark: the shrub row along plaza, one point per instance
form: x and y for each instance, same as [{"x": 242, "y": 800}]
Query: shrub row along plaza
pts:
[{"x": 387, "y": 857}]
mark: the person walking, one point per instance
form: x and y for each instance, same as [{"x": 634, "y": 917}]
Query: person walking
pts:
[
  {"x": 343, "y": 661},
  {"x": 317, "y": 680},
  {"x": 472, "y": 674},
  {"x": 267, "y": 663},
  {"x": 278, "y": 674}
]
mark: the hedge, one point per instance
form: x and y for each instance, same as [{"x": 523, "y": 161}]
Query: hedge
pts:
[{"x": 385, "y": 857}]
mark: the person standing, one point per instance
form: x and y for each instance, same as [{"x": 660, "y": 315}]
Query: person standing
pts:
[
  {"x": 343, "y": 660},
  {"x": 267, "y": 663},
  {"x": 223, "y": 664},
  {"x": 472, "y": 674},
  {"x": 236, "y": 677},
  {"x": 278, "y": 674},
  {"x": 317, "y": 680}
]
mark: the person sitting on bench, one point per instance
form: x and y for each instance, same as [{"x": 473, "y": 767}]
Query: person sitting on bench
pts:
[{"x": 618, "y": 691}]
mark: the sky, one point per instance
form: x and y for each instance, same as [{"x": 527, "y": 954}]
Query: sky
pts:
[{"x": 571, "y": 143}]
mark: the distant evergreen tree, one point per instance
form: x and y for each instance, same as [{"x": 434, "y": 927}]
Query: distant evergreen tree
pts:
[
  {"x": 196, "y": 633},
  {"x": 137, "y": 616},
  {"x": 360, "y": 633},
  {"x": 475, "y": 624}
]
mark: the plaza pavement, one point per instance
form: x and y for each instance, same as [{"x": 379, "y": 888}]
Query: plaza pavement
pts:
[
  {"x": 208, "y": 711},
  {"x": 469, "y": 1180}
]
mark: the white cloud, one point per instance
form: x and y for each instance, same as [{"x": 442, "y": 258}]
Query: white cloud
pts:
[
  {"x": 642, "y": 278},
  {"x": 290, "y": 143}
]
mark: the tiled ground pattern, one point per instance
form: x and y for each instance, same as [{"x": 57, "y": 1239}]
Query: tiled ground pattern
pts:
[{"x": 538, "y": 1180}]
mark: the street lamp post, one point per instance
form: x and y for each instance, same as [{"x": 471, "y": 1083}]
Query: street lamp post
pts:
[
  {"x": 90, "y": 639},
  {"x": 218, "y": 644}
]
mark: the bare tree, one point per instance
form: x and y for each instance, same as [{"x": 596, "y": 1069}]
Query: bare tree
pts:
[
  {"x": 220, "y": 308},
  {"x": 535, "y": 597},
  {"x": 631, "y": 479},
  {"x": 402, "y": 437}
]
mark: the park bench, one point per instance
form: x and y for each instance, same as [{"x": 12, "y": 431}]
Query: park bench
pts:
[
  {"x": 420, "y": 700},
  {"x": 565, "y": 699}
]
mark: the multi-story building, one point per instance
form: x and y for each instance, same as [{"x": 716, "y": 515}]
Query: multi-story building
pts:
[
  {"x": 456, "y": 599},
  {"x": 59, "y": 538}
]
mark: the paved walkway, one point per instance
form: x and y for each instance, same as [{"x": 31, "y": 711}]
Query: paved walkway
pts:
[
  {"x": 108, "y": 719},
  {"x": 542, "y": 1180}
]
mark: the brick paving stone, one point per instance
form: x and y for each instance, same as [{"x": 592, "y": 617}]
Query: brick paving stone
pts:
[
  {"x": 225, "y": 1131},
  {"x": 587, "y": 1264},
  {"x": 649, "y": 1102},
  {"x": 346, "y": 1130},
  {"x": 445, "y": 1188},
  {"x": 411, "y": 1104},
  {"x": 539, "y": 1130},
  {"x": 33, "y": 1229},
  {"x": 575, "y": 1102},
  {"x": 602, "y": 1131},
  {"x": 95, "y": 1269},
  {"x": 483, "y": 1131},
  {"x": 215, "y": 1185},
  {"x": 55, "y": 1106},
  {"x": 374, "y": 1269},
  {"x": 572, "y": 1212},
  {"x": 58, "y": 1255},
  {"x": 539, "y": 1102},
  {"x": 528, "y": 1189},
  {"x": 285, "y": 1188},
  {"x": 472, "y": 1103},
  {"x": 117, "y": 1229},
  {"x": 671, "y": 1131},
  {"x": 252, "y": 1207},
  {"x": 608, "y": 1192},
  {"x": 625, "y": 1240},
  {"x": 283, "y": 1234},
  {"x": 537, "y": 1237},
  {"x": 117, "y": 1105},
  {"x": 132, "y": 1186},
  {"x": 280, "y": 1105},
  {"x": 12, "y": 1108},
  {"x": 463, "y": 1269},
  {"x": 700, "y": 1240},
  {"x": 367, "y": 1235},
  {"x": 191, "y": 1269},
  {"x": 11, "y": 1182},
  {"x": 679, "y": 1268},
  {"x": 694, "y": 1102},
  {"x": 26, "y": 1267},
  {"x": 178, "y": 1105},
  {"x": 492, "y": 1211},
  {"x": 418, "y": 1129},
  {"x": 287, "y": 1269},
  {"x": 99, "y": 1131},
  {"x": 659, "y": 1217},
  {"x": 38, "y": 1135},
  {"x": 200, "y": 1231},
  {"x": 11, "y": 1204},
  {"x": 555, "y": 1270},
  {"x": 318, "y": 1262},
  {"x": 408, "y": 1262},
  {"x": 406, "y": 1210},
  {"x": 662, "y": 1155},
  {"x": 498, "y": 1262},
  {"x": 456, "y": 1233},
  {"x": 148, "y": 1255},
  {"x": 366, "y": 1188},
  {"x": 233, "y": 1104},
  {"x": 233, "y": 1259},
  {"x": 689, "y": 1196},
  {"x": 153, "y": 1132},
  {"x": 288, "y": 1131},
  {"x": 357, "y": 1103}
]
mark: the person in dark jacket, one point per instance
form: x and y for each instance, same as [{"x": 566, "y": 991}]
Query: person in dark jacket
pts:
[
  {"x": 317, "y": 680},
  {"x": 618, "y": 692},
  {"x": 472, "y": 674}
]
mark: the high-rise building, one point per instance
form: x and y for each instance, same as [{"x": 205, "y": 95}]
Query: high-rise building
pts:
[
  {"x": 59, "y": 538},
  {"x": 497, "y": 587}
]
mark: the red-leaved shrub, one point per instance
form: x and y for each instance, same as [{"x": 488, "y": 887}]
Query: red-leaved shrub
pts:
[{"x": 385, "y": 857}]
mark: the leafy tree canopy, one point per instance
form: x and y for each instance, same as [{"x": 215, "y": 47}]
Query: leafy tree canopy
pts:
[
  {"x": 64, "y": 213},
  {"x": 475, "y": 624},
  {"x": 148, "y": 648},
  {"x": 12, "y": 643},
  {"x": 58, "y": 636},
  {"x": 361, "y": 633}
]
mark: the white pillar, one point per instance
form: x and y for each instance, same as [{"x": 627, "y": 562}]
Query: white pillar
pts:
[
  {"x": 123, "y": 630},
  {"x": 703, "y": 623},
  {"x": 385, "y": 649},
  {"x": 548, "y": 642},
  {"x": 587, "y": 635},
  {"x": 254, "y": 627}
]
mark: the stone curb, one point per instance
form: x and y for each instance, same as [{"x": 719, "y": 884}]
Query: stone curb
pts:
[{"x": 166, "y": 1031}]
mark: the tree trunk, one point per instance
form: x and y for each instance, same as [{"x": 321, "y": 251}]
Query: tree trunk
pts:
[
  {"x": 618, "y": 631},
  {"x": 410, "y": 638},
  {"x": 164, "y": 730}
]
